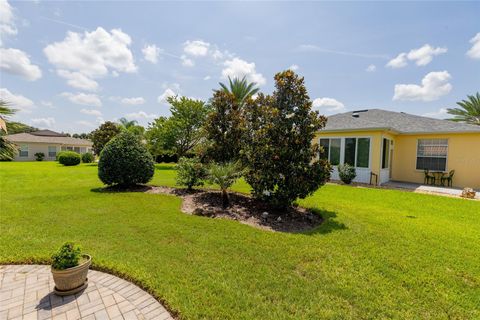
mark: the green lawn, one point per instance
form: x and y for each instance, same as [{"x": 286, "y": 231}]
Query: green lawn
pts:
[{"x": 381, "y": 254}]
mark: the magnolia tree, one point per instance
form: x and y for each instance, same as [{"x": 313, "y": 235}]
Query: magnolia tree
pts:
[{"x": 282, "y": 161}]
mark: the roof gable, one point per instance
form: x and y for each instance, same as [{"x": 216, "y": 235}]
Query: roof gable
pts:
[
  {"x": 48, "y": 133},
  {"x": 375, "y": 119}
]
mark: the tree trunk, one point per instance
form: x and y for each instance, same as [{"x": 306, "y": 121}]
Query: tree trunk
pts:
[{"x": 225, "y": 201}]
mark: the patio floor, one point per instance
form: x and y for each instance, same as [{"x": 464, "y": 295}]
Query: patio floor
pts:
[
  {"x": 26, "y": 293},
  {"x": 415, "y": 187}
]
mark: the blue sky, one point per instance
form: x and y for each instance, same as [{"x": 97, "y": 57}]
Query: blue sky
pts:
[{"x": 68, "y": 66}]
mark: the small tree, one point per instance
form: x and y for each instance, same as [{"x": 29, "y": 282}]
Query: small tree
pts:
[
  {"x": 125, "y": 161},
  {"x": 102, "y": 135},
  {"x": 224, "y": 128},
  {"x": 278, "y": 150},
  {"x": 224, "y": 174},
  {"x": 190, "y": 172}
]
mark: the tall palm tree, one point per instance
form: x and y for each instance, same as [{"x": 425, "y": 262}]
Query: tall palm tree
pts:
[
  {"x": 7, "y": 148},
  {"x": 240, "y": 88},
  {"x": 127, "y": 124},
  {"x": 469, "y": 111}
]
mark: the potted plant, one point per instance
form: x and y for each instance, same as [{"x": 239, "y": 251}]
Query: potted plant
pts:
[{"x": 70, "y": 269}]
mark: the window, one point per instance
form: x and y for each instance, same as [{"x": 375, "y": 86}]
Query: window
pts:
[
  {"x": 385, "y": 153},
  {"x": 331, "y": 150},
  {"x": 76, "y": 149},
  {"x": 432, "y": 154},
  {"x": 52, "y": 151},
  {"x": 23, "y": 152},
  {"x": 363, "y": 152},
  {"x": 83, "y": 150},
  {"x": 349, "y": 151}
]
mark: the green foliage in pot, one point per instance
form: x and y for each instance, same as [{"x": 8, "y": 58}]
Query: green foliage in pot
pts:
[
  {"x": 39, "y": 156},
  {"x": 347, "y": 173},
  {"x": 69, "y": 158},
  {"x": 67, "y": 256}
]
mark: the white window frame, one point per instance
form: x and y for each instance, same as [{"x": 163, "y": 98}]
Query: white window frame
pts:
[
  {"x": 446, "y": 156},
  {"x": 342, "y": 149},
  {"x": 20, "y": 151},
  {"x": 48, "y": 150}
]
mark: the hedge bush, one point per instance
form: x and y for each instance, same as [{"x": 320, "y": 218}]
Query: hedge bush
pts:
[
  {"x": 39, "y": 156},
  {"x": 190, "y": 172},
  {"x": 347, "y": 173},
  {"x": 88, "y": 157},
  {"x": 57, "y": 157},
  {"x": 125, "y": 161},
  {"x": 69, "y": 158}
]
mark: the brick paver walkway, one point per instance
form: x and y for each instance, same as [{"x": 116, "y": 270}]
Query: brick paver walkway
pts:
[{"x": 26, "y": 293}]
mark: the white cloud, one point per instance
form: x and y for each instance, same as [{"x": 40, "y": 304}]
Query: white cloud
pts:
[
  {"x": 371, "y": 68},
  {"x": 86, "y": 123},
  {"x": 47, "y": 122},
  {"x": 187, "y": 62},
  {"x": 239, "y": 68},
  {"x": 422, "y": 56},
  {"x": 474, "y": 51},
  {"x": 437, "y": 114},
  {"x": 17, "y": 62},
  {"x": 167, "y": 93},
  {"x": 47, "y": 104},
  {"x": 7, "y": 20},
  {"x": 93, "y": 53},
  {"x": 133, "y": 101},
  {"x": 398, "y": 62},
  {"x": 16, "y": 101},
  {"x": 83, "y": 99},
  {"x": 151, "y": 53},
  {"x": 434, "y": 85},
  {"x": 78, "y": 80},
  {"x": 293, "y": 67},
  {"x": 91, "y": 112},
  {"x": 141, "y": 115},
  {"x": 196, "y": 48},
  {"x": 329, "y": 104},
  {"x": 207, "y": 78}
]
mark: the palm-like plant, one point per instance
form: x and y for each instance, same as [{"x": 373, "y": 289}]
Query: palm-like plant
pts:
[
  {"x": 224, "y": 175},
  {"x": 7, "y": 148},
  {"x": 240, "y": 88},
  {"x": 469, "y": 111},
  {"x": 127, "y": 124}
]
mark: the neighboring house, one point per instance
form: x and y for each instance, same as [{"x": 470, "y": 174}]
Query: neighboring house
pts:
[
  {"x": 387, "y": 145},
  {"x": 48, "y": 142}
]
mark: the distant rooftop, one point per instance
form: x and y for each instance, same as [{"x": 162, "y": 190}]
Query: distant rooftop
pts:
[
  {"x": 400, "y": 122},
  {"x": 48, "y": 136}
]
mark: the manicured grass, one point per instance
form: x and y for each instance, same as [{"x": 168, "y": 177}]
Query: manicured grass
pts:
[{"x": 381, "y": 254}]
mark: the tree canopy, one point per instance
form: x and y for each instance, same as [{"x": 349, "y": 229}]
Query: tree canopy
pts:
[
  {"x": 102, "y": 135},
  {"x": 469, "y": 110}
]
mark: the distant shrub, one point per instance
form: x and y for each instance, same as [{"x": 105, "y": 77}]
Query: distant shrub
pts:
[
  {"x": 57, "y": 157},
  {"x": 69, "y": 158},
  {"x": 347, "y": 173},
  {"x": 66, "y": 257},
  {"x": 88, "y": 157},
  {"x": 190, "y": 172},
  {"x": 125, "y": 161},
  {"x": 39, "y": 156}
]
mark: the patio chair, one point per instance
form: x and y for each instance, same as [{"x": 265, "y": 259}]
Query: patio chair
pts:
[
  {"x": 448, "y": 178},
  {"x": 428, "y": 179}
]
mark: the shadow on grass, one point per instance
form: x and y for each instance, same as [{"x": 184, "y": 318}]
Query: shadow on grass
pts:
[
  {"x": 122, "y": 189},
  {"x": 329, "y": 223}
]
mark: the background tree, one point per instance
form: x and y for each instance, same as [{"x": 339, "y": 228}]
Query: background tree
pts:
[
  {"x": 278, "y": 150},
  {"x": 469, "y": 110},
  {"x": 102, "y": 135},
  {"x": 224, "y": 128},
  {"x": 131, "y": 126},
  {"x": 182, "y": 131},
  {"x": 241, "y": 89},
  {"x": 7, "y": 148}
]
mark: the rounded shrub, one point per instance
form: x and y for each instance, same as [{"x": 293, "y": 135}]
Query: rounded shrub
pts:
[
  {"x": 125, "y": 161},
  {"x": 39, "y": 156},
  {"x": 57, "y": 158},
  {"x": 69, "y": 158},
  {"x": 88, "y": 157},
  {"x": 347, "y": 173}
]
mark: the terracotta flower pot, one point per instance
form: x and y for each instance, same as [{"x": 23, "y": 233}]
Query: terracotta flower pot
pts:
[{"x": 72, "y": 280}]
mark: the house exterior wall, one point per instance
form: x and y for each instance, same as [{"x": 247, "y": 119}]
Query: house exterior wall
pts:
[
  {"x": 463, "y": 156},
  {"x": 41, "y": 147}
]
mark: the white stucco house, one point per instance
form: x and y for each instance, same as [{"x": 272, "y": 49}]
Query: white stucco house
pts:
[{"x": 48, "y": 142}]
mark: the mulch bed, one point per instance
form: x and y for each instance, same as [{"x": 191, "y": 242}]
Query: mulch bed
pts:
[{"x": 244, "y": 209}]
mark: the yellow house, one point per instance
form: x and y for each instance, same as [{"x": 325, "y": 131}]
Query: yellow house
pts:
[{"x": 384, "y": 145}]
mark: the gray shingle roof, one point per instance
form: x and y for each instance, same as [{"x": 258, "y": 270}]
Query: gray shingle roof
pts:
[
  {"x": 30, "y": 138},
  {"x": 396, "y": 121}
]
